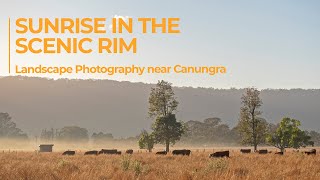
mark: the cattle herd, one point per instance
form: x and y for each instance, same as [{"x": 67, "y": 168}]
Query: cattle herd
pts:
[{"x": 183, "y": 152}]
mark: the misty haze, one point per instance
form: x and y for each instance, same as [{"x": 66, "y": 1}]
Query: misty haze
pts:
[{"x": 121, "y": 108}]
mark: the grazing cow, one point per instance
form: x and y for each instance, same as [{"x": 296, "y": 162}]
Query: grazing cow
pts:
[
  {"x": 118, "y": 152},
  {"x": 311, "y": 152},
  {"x": 279, "y": 153},
  {"x": 161, "y": 152},
  {"x": 219, "y": 154},
  {"x": 129, "y": 151},
  {"x": 181, "y": 152},
  {"x": 263, "y": 151},
  {"x": 245, "y": 151},
  {"x": 108, "y": 151},
  {"x": 91, "y": 153},
  {"x": 70, "y": 153}
]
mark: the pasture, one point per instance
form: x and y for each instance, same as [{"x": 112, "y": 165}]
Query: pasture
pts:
[{"x": 143, "y": 165}]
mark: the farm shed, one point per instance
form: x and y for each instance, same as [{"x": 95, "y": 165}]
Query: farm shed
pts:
[{"x": 46, "y": 147}]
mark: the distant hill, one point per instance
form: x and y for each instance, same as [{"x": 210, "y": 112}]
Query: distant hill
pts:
[{"x": 121, "y": 107}]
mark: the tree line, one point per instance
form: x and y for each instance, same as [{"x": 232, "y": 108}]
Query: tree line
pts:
[{"x": 252, "y": 129}]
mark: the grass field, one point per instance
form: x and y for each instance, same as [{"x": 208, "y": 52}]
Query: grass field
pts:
[{"x": 32, "y": 165}]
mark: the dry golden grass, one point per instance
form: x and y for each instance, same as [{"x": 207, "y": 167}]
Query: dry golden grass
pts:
[{"x": 31, "y": 165}]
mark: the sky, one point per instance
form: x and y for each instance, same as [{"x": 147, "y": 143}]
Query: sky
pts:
[{"x": 265, "y": 44}]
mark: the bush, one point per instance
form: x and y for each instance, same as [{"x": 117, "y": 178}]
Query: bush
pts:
[
  {"x": 125, "y": 163},
  {"x": 137, "y": 168},
  {"x": 217, "y": 165}
]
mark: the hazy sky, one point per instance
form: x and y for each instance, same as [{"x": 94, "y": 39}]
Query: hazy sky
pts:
[{"x": 267, "y": 44}]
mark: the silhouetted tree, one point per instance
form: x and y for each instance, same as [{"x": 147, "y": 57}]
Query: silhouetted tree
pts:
[
  {"x": 47, "y": 135},
  {"x": 73, "y": 133},
  {"x": 315, "y": 137},
  {"x": 161, "y": 100},
  {"x": 289, "y": 135},
  {"x": 211, "y": 131},
  {"x": 146, "y": 141},
  {"x": 166, "y": 130},
  {"x": 100, "y": 137},
  {"x": 162, "y": 105},
  {"x": 252, "y": 128},
  {"x": 8, "y": 129}
]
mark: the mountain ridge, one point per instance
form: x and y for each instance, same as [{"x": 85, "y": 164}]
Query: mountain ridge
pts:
[{"x": 121, "y": 108}]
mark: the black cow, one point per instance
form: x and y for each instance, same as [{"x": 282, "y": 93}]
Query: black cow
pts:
[
  {"x": 129, "y": 151},
  {"x": 70, "y": 153},
  {"x": 91, "y": 152},
  {"x": 181, "y": 152},
  {"x": 245, "y": 151},
  {"x": 311, "y": 152},
  {"x": 279, "y": 153},
  {"x": 108, "y": 151},
  {"x": 161, "y": 152},
  {"x": 263, "y": 151},
  {"x": 219, "y": 154}
]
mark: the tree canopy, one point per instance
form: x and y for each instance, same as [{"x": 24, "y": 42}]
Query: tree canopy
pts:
[
  {"x": 73, "y": 133},
  {"x": 166, "y": 130},
  {"x": 209, "y": 131},
  {"x": 289, "y": 135},
  {"x": 146, "y": 141},
  {"x": 162, "y": 100},
  {"x": 101, "y": 137},
  {"x": 8, "y": 128},
  {"x": 252, "y": 128},
  {"x": 162, "y": 105}
]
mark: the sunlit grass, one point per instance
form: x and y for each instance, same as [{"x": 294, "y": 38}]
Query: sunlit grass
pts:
[{"x": 32, "y": 165}]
